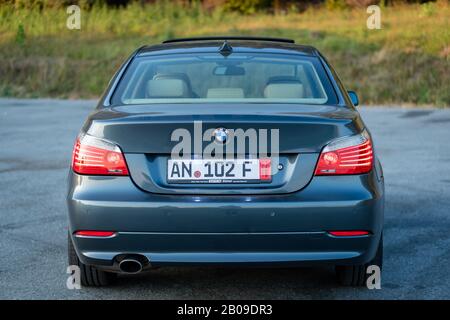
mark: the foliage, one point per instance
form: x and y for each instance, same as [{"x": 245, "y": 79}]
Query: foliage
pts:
[
  {"x": 406, "y": 61},
  {"x": 246, "y": 6},
  {"x": 335, "y": 4},
  {"x": 20, "y": 35}
]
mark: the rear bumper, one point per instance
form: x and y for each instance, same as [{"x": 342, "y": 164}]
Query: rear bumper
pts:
[
  {"x": 262, "y": 249},
  {"x": 288, "y": 229}
]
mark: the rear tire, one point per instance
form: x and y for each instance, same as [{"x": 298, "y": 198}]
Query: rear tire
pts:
[
  {"x": 90, "y": 275},
  {"x": 356, "y": 275}
]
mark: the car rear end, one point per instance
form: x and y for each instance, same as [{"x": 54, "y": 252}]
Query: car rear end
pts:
[{"x": 303, "y": 186}]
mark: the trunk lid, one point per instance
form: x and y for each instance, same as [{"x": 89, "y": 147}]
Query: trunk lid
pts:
[{"x": 144, "y": 135}]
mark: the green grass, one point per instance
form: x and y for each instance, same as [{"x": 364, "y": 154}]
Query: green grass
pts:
[{"x": 407, "y": 61}]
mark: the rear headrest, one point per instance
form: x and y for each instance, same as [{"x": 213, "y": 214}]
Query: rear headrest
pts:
[
  {"x": 284, "y": 91},
  {"x": 225, "y": 93},
  {"x": 283, "y": 79},
  {"x": 177, "y": 75},
  {"x": 167, "y": 88}
]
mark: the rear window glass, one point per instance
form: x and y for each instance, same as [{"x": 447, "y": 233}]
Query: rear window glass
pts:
[{"x": 213, "y": 78}]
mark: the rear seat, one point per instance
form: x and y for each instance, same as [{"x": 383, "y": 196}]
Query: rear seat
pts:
[
  {"x": 287, "y": 87},
  {"x": 225, "y": 93},
  {"x": 167, "y": 88},
  {"x": 284, "y": 90},
  {"x": 180, "y": 76}
]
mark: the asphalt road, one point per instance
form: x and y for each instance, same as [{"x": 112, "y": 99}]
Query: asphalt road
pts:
[{"x": 36, "y": 138}]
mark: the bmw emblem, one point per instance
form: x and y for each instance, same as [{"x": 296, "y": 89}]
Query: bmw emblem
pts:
[{"x": 221, "y": 134}]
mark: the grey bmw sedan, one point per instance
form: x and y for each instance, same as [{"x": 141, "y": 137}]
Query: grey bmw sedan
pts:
[{"x": 225, "y": 151}]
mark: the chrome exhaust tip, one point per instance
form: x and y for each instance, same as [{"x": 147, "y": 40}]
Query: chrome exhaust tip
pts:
[{"x": 130, "y": 266}]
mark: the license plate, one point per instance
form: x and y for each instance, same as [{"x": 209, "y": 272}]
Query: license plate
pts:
[{"x": 219, "y": 171}]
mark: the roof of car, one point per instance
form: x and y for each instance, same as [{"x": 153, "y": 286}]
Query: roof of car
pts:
[{"x": 239, "y": 44}]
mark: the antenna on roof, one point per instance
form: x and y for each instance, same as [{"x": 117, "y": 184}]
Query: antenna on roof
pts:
[{"x": 226, "y": 49}]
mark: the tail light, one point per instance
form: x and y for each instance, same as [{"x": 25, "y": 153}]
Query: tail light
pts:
[
  {"x": 96, "y": 156},
  {"x": 349, "y": 155},
  {"x": 265, "y": 169},
  {"x": 352, "y": 233},
  {"x": 92, "y": 233}
]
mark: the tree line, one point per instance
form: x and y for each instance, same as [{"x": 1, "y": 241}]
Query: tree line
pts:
[{"x": 242, "y": 6}]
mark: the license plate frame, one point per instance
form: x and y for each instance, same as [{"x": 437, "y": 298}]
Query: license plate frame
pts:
[{"x": 218, "y": 171}]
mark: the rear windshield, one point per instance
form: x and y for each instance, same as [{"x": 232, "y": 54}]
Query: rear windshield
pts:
[{"x": 214, "y": 78}]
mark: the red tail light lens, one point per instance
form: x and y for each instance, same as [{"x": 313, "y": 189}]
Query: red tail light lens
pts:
[
  {"x": 265, "y": 168},
  {"x": 92, "y": 233},
  {"x": 95, "y": 156},
  {"x": 353, "y": 233},
  {"x": 349, "y": 155}
]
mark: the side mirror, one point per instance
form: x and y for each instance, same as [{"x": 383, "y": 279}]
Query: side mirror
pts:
[{"x": 354, "y": 97}]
